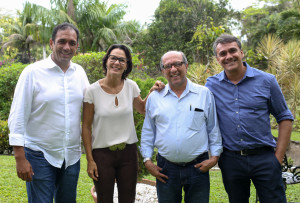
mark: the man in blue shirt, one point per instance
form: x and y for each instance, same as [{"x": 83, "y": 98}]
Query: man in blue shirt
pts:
[
  {"x": 181, "y": 123},
  {"x": 245, "y": 97}
]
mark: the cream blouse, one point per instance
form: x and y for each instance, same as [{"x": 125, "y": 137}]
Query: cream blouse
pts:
[{"x": 112, "y": 124}]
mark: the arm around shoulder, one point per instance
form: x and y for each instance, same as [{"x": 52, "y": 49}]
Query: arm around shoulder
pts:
[{"x": 139, "y": 103}]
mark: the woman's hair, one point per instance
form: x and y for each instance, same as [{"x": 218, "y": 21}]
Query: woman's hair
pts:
[{"x": 128, "y": 59}]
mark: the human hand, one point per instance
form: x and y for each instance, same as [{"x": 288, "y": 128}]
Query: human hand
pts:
[
  {"x": 92, "y": 170},
  {"x": 279, "y": 157},
  {"x": 24, "y": 169},
  {"x": 155, "y": 171},
  {"x": 207, "y": 164},
  {"x": 158, "y": 85}
]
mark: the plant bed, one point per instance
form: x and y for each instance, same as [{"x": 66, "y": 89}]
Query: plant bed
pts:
[{"x": 145, "y": 192}]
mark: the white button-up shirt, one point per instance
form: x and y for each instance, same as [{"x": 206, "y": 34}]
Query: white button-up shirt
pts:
[{"x": 46, "y": 111}]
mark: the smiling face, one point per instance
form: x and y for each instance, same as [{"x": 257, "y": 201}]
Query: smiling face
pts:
[
  {"x": 176, "y": 76},
  {"x": 116, "y": 63},
  {"x": 230, "y": 56},
  {"x": 64, "y": 47}
]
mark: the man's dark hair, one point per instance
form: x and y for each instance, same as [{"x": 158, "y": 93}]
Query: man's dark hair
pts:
[
  {"x": 128, "y": 58},
  {"x": 64, "y": 26},
  {"x": 226, "y": 38}
]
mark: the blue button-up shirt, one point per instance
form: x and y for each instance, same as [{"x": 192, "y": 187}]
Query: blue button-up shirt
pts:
[
  {"x": 244, "y": 109},
  {"x": 181, "y": 128}
]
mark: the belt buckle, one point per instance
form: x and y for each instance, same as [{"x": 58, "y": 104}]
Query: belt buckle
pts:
[
  {"x": 182, "y": 164},
  {"x": 244, "y": 153}
]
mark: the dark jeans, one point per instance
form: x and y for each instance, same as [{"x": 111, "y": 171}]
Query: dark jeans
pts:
[
  {"x": 194, "y": 182},
  {"x": 49, "y": 182},
  {"x": 263, "y": 169},
  {"x": 120, "y": 166}
]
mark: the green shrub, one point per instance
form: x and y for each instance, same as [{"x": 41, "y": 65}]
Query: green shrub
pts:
[
  {"x": 4, "y": 140},
  {"x": 145, "y": 86},
  {"x": 8, "y": 79},
  {"x": 92, "y": 64}
]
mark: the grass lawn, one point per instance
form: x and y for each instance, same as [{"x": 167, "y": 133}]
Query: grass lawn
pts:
[
  {"x": 295, "y": 136},
  {"x": 12, "y": 189}
]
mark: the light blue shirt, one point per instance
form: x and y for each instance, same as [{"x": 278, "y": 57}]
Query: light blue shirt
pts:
[{"x": 181, "y": 128}]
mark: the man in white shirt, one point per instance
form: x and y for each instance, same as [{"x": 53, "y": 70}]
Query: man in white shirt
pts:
[{"x": 44, "y": 121}]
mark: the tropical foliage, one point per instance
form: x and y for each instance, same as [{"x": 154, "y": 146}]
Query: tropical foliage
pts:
[
  {"x": 270, "y": 36},
  {"x": 175, "y": 24},
  {"x": 100, "y": 26}
]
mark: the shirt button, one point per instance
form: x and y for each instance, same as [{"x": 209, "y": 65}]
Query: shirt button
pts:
[
  {"x": 237, "y": 112},
  {"x": 236, "y": 99},
  {"x": 238, "y": 126},
  {"x": 241, "y": 139}
]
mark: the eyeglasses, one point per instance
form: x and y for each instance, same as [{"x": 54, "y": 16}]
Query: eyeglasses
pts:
[
  {"x": 176, "y": 65},
  {"x": 114, "y": 59}
]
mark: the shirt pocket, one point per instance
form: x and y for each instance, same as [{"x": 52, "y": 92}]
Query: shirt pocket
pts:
[{"x": 197, "y": 119}]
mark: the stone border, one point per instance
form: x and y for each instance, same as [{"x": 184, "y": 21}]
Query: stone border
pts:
[
  {"x": 148, "y": 182},
  {"x": 143, "y": 181}
]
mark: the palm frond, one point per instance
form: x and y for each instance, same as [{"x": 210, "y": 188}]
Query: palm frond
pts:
[{"x": 270, "y": 47}]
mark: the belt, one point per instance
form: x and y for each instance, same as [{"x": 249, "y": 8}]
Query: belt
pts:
[
  {"x": 246, "y": 152},
  {"x": 184, "y": 164}
]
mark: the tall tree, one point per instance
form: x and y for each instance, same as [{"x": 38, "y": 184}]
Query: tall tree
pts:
[
  {"x": 271, "y": 18},
  {"x": 20, "y": 38},
  {"x": 102, "y": 26},
  {"x": 176, "y": 22},
  {"x": 5, "y": 31},
  {"x": 42, "y": 21},
  {"x": 289, "y": 24}
]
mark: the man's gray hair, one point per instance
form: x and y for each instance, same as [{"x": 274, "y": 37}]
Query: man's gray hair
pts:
[
  {"x": 184, "y": 59},
  {"x": 226, "y": 38}
]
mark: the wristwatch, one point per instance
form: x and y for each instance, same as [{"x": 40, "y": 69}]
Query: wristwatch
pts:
[{"x": 146, "y": 159}]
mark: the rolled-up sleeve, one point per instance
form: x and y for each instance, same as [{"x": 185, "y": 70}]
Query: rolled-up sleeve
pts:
[{"x": 278, "y": 106}]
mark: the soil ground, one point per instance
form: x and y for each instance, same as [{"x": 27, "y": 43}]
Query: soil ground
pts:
[{"x": 293, "y": 151}]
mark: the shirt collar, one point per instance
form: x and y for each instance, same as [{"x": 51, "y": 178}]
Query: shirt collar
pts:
[
  {"x": 51, "y": 64},
  {"x": 190, "y": 87},
  {"x": 249, "y": 73}
]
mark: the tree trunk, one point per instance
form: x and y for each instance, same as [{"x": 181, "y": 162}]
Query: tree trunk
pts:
[
  {"x": 44, "y": 51},
  {"x": 71, "y": 9},
  {"x": 28, "y": 50}
]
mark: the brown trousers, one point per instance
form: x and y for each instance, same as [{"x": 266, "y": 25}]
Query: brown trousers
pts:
[{"x": 118, "y": 166}]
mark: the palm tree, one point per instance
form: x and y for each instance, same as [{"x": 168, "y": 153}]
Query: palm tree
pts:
[
  {"x": 42, "y": 22},
  {"x": 20, "y": 38},
  {"x": 289, "y": 24},
  {"x": 289, "y": 62},
  {"x": 102, "y": 26},
  {"x": 284, "y": 63},
  {"x": 270, "y": 47}
]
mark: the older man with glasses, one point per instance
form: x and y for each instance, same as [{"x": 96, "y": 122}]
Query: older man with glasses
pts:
[{"x": 181, "y": 122}]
